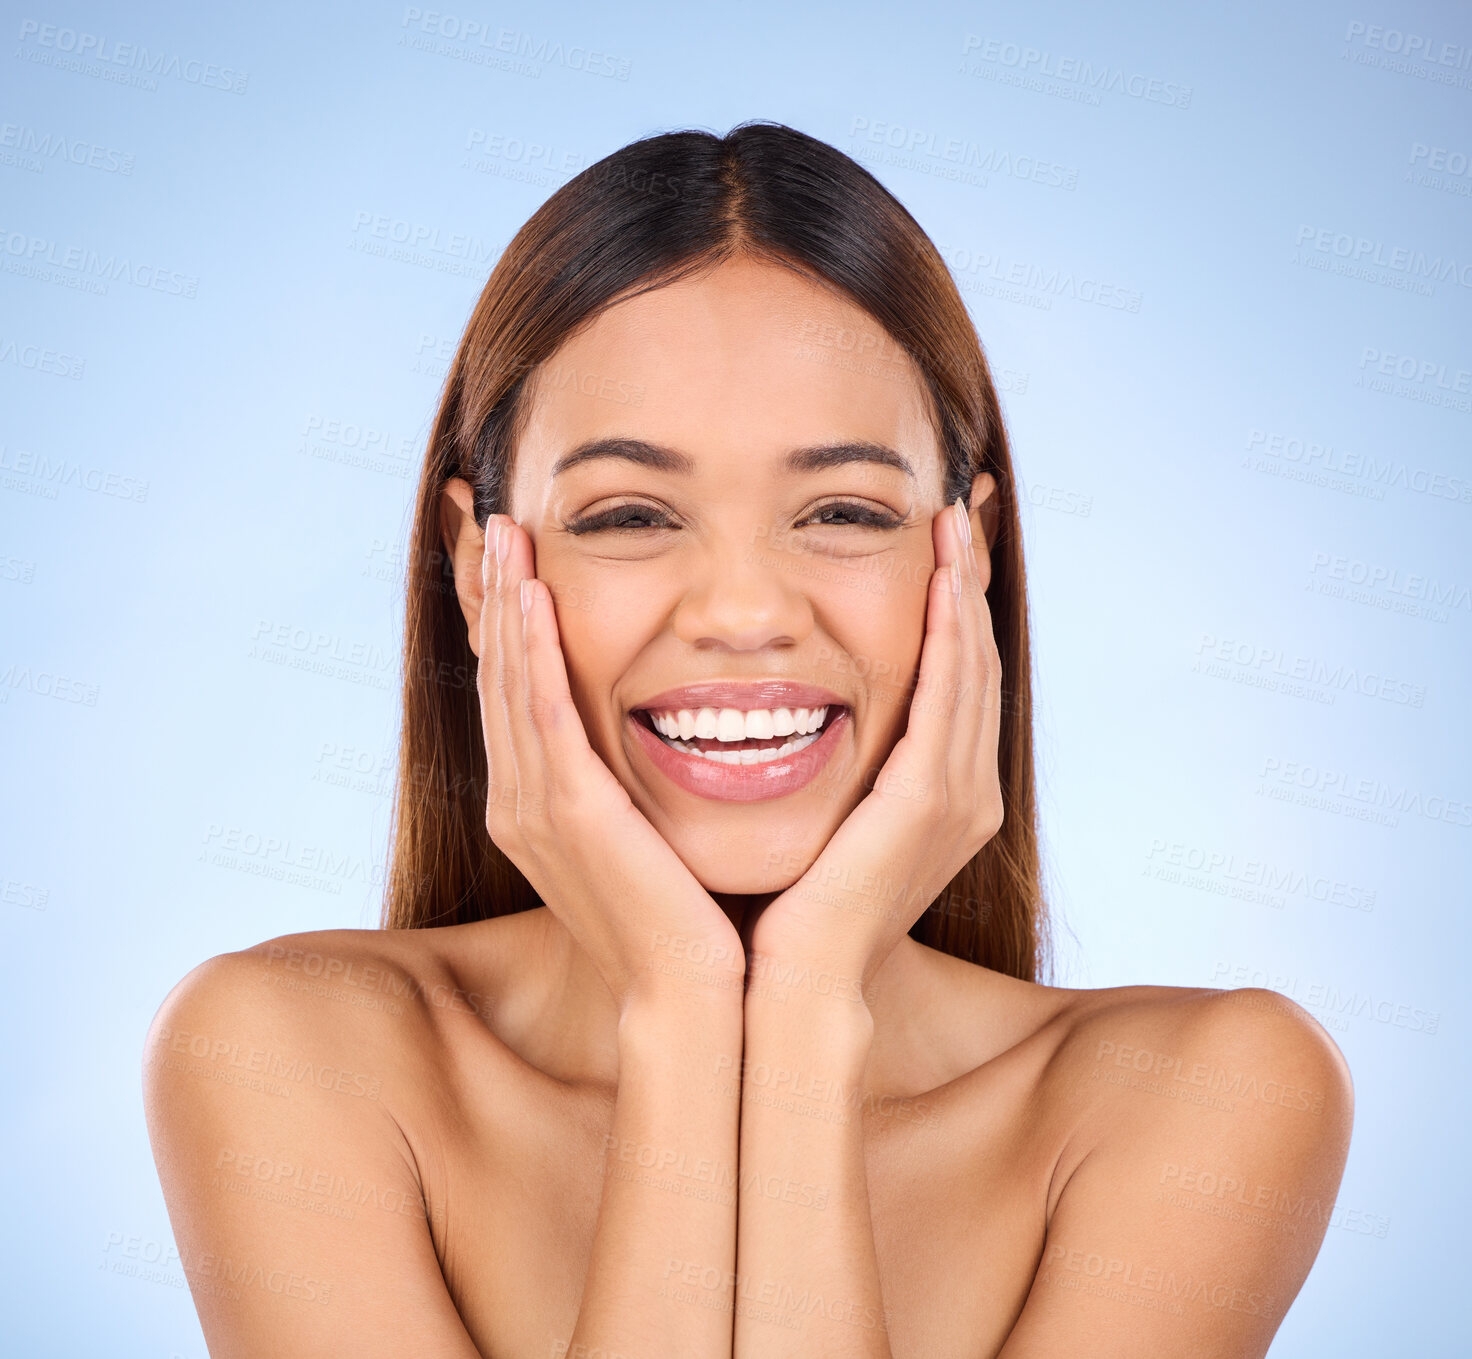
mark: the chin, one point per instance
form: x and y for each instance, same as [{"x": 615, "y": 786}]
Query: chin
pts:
[
  {"x": 744, "y": 882},
  {"x": 741, "y": 872},
  {"x": 751, "y": 848}
]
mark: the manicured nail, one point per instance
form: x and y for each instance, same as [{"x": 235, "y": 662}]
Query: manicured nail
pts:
[
  {"x": 956, "y": 577},
  {"x": 526, "y": 596},
  {"x": 503, "y": 541},
  {"x": 965, "y": 524}
]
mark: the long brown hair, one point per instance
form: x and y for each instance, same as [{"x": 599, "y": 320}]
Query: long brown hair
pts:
[{"x": 660, "y": 209}]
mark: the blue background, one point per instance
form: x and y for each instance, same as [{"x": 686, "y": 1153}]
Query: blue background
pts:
[{"x": 1246, "y": 528}]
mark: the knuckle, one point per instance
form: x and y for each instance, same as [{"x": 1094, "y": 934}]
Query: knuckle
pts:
[
  {"x": 505, "y": 833},
  {"x": 551, "y": 711},
  {"x": 993, "y": 819}
]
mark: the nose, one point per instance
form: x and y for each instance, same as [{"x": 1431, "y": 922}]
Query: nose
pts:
[{"x": 742, "y": 598}]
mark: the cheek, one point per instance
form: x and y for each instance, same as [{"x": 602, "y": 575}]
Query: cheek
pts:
[
  {"x": 600, "y": 641},
  {"x": 890, "y": 684},
  {"x": 878, "y": 653}
]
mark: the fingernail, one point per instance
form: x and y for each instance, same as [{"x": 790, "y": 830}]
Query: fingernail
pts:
[
  {"x": 526, "y": 596},
  {"x": 503, "y": 541},
  {"x": 965, "y": 519},
  {"x": 956, "y": 577}
]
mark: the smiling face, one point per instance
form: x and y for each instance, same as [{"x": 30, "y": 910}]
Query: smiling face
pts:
[{"x": 739, "y": 510}]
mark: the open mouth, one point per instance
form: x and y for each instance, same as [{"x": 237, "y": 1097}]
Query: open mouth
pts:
[{"x": 775, "y": 734}]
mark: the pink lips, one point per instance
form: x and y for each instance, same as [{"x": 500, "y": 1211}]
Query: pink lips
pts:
[
  {"x": 743, "y": 782},
  {"x": 743, "y": 694}
]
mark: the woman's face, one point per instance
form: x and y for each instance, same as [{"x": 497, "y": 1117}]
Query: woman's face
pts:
[{"x": 728, "y": 563}]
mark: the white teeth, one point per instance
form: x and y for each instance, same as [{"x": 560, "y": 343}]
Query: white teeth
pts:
[
  {"x": 732, "y": 724},
  {"x": 752, "y": 755}
]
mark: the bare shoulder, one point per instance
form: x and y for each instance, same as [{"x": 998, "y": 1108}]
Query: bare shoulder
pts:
[
  {"x": 278, "y": 1082},
  {"x": 354, "y": 981},
  {"x": 1201, "y": 1048},
  {"x": 262, "y": 1012},
  {"x": 1207, "y": 1132}
]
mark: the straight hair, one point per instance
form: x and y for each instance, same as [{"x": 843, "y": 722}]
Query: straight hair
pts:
[{"x": 658, "y": 210}]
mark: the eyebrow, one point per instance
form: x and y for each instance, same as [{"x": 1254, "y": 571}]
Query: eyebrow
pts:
[{"x": 815, "y": 458}]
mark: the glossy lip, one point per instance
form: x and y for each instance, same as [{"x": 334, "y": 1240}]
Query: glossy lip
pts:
[
  {"x": 741, "y": 694},
  {"x": 743, "y": 782}
]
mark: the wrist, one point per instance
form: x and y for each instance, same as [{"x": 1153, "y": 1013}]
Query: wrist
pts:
[
  {"x": 799, "y": 1017},
  {"x": 685, "y": 973},
  {"x": 667, "y": 1016},
  {"x": 785, "y": 978}
]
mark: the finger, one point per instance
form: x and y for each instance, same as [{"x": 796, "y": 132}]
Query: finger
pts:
[
  {"x": 500, "y": 762},
  {"x": 516, "y": 723},
  {"x": 928, "y": 733},
  {"x": 985, "y": 648},
  {"x": 501, "y": 675},
  {"x": 979, "y": 717},
  {"x": 569, "y": 764},
  {"x": 968, "y": 716}
]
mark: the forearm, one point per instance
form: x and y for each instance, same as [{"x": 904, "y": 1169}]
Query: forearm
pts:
[
  {"x": 808, "y": 1275},
  {"x": 669, "y": 1189}
]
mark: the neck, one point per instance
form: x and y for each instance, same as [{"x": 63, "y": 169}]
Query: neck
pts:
[{"x": 744, "y": 910}]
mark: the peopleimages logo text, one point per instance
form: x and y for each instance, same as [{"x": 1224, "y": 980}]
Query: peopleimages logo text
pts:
[
  {"x": 99, "y": 48},
  {"x": 1402, "y": 259},
  {"x": 1034, "y": 61}
]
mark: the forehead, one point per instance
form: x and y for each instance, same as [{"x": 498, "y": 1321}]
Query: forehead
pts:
[{"x": 735, "y": 367}]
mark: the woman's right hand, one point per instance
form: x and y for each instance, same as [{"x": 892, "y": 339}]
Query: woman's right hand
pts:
[{"x": 555, "y": 809}]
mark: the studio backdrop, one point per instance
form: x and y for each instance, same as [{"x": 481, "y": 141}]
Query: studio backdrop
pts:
[{"x": 1220, "y": 259}]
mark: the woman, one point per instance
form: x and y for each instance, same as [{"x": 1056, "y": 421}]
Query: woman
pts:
[{"x": 716, "y": 783}]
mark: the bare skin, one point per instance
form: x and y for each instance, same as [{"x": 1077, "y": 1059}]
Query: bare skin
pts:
[{"x": 576, "y": 1130}]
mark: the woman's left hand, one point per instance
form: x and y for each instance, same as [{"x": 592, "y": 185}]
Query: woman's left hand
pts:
[{"x": 937, "y": 799}]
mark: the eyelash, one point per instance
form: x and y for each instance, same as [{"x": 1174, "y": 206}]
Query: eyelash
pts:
[{"x": 866, "y": 516}]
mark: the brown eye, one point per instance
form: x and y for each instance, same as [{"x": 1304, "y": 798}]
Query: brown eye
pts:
[
  {"x": 621, "y": 517},
  {"x": 864, "y": 516}
]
